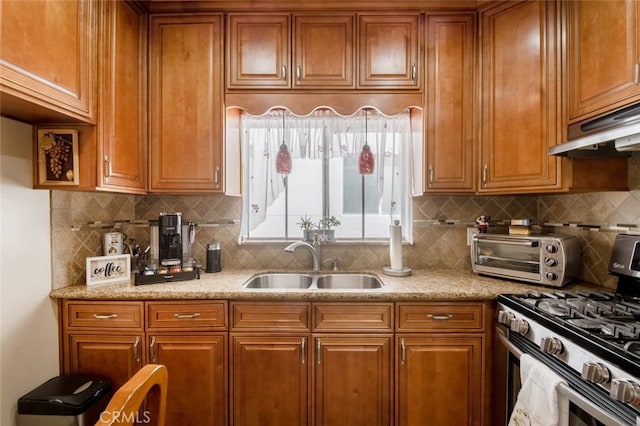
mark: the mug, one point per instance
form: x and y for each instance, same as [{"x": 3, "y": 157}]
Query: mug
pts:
[{"x": 113, "y": 243}]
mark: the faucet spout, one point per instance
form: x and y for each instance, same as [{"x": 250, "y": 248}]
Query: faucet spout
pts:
[{"x": 314, "y": 252}]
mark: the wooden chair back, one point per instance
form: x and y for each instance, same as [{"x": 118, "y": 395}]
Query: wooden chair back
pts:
[{"x": 124, "y": 407}]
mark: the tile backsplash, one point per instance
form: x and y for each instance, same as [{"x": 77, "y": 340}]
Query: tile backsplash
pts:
[{"x": 80, "y": 218}]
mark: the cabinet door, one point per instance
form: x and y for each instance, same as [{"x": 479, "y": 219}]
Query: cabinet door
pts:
[
  {"x": 197, "y": 377},
  {"x": 449, "y": 108},
  {"x": 389, "y": 51},
  {"x": 324, "y": 51},
  {"x": 603, "y": 39},
  {"x": 353, "y": 380},
  {"x": 47, "y": 59},
  {"x": 258, "y": 51},
  {"x": 269, "y": 379},
  {"x": 439, "y": 380},
  {"x": 520, "y": 96},
  {"x": 122, "y": 136},
  {"x": 114, "y": 357},
  {"x": 186, "y": 104}
]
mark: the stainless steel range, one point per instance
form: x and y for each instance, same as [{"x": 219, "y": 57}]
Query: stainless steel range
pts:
[{"x": 592, "y": 340}]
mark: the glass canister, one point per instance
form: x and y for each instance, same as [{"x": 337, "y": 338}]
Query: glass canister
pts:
[{"x": 213, "y": 258}]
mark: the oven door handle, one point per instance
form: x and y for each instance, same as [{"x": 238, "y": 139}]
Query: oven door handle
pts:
[{"x": 564, "y": 390}]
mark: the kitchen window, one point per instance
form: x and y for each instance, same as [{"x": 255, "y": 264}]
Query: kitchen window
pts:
[{"x": 324, "y": 179}]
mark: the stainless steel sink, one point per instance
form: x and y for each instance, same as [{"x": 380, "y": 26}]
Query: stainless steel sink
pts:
[
  {"x": 291, "y": 281},
  {"x": 349, "y": 281},
  {"x": 280, "y": 281}
]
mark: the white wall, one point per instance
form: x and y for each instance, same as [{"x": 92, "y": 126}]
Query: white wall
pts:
[{"x": 28, "y": 324}]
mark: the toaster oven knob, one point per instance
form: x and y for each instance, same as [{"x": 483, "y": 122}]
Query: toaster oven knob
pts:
[
  {"x": 551, "y": 345},
  {"x": 519, "y": 326},
  {"x": 552, "y": 248},
  {"x": 551, "y": 261},
  {"x": 505, "y": 318},
  {"x": 551, "y": 276},
  {"x": 595, "y": 372},
  {"x": 625, "y": 391}
]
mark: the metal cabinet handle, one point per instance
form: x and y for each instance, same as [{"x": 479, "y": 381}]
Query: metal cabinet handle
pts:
[
  {"x": 298, "y": 73},
  {"x": 187, "y": 316},
  {"x": 152, "y": 349},
  {"x": 284, "y": 72},
  {"x": 485, "y": 172},
  {"x": 440, "y": 317},
  {"x": 403, "y": 351},
  {"x": 216, "y": 176},
  {"x": 105, "y": 316},
  {"x": 107, "y": 166},
  {"x": 318, "y": 351},
  {"x": 636, "y": 73},
  {"x": 136, "y": 349},
  {"x": 414, "y": 73},
  {"x": 303, "y": 349},
  {"x": 430, "y": 174}
]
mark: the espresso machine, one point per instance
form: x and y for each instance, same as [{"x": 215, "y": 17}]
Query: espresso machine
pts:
[{"x": 170, "y": 239}]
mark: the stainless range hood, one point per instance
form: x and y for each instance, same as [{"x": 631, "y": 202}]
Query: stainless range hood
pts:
[{"x": 615, "y": 134}]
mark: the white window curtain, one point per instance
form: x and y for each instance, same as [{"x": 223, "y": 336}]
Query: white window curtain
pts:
[{"x": 323, "y": 135}]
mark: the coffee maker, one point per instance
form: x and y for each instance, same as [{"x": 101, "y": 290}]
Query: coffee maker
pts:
[{"x": 170, "y": 239}]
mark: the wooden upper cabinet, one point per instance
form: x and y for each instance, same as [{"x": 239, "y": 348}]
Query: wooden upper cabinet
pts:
[
  {"x": 603, "y": 39},
  {"x": 47, "y": 60},
  {"x": 520, "y": 95},
  {"x": 122, "y": 122},
  {"x": 324, "y": 51},
  {"x": 258, "y": 51},
  {"x": 389, "y": 51},
  {"x": 186, "y": 105},
  {"x": 449, "y": 129}
]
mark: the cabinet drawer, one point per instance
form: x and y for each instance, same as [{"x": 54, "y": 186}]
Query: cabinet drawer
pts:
[
  {"x": 211, "y": 315},
  {"x": 438, "y": 316},
  {"x": 270, "y": 316},
  {"x": 103, "y": 314},
  {"x": 353, "y": 317}
]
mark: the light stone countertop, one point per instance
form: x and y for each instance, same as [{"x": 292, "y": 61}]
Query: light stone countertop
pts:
[{"x": 422, "y": 285}]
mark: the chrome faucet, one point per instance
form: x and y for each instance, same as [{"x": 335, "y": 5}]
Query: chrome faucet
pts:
[{"x": 314, "y": 252}]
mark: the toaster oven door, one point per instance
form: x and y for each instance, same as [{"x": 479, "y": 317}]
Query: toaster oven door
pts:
[{"x": 513, "y": 257}]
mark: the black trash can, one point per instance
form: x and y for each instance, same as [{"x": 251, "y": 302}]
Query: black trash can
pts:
[{"x": 65, "y": 401}]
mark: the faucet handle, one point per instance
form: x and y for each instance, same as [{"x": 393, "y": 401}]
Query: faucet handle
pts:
[{"x": 334, "y": 262}]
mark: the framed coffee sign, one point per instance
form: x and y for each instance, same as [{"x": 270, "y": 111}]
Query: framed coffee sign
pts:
[{"x": 108, "y": 269}]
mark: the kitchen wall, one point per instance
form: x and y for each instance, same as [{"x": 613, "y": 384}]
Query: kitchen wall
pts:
[
  {"x": 440, "y": 224},
  {"x": 28, "y": 324}
]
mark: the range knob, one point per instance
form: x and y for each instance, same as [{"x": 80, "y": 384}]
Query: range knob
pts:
[
  {"x": 551, "y": 261},
  {"x": 595, "y": 372},
  {"x": 519, "y": 326},
  {"x": 552, "y": 248},
  {"x": 551, "y": 345},
  {"x": 505, "y": 318},
  {"x": 625, "y": 391},
  {"x": 551, "y": 276}
]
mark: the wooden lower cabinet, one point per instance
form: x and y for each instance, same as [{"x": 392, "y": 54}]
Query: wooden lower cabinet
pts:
[
  {"x": 353, "y": 380},
  {"x": 114, "y": 357},
  {"x": 439, "y": 380},
  {"x": 270, "y": 376},
  {"x": 197, "y": 366}
]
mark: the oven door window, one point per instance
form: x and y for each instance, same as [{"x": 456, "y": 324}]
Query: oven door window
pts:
[
  {"x": 514, "y": 255},
  {"x": 579, "y": 417}
]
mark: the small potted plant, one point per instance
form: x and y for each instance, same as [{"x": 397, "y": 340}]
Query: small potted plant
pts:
[
  {"x": 307, "y": 225},
  {"x": 326, "y": 225}
]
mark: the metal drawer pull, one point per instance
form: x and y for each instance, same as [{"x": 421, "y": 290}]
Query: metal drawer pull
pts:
[
  {"x": 152, "y": 349},
  {"x": 440, "y": 317},
  {"x": 105, "y": 316},
  {"x": 318, "y": 351},
  {"x": 136, "y": 350},
  {"x": 303, "y": 349},
  {"x": 187, "y": 316},
  {"x": 403, "y": 351}
]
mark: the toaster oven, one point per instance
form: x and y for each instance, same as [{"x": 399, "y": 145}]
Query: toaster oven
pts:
[{"x": 546, "y": 259}]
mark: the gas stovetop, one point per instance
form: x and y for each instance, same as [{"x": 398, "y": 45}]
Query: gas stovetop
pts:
[{"x": 608, "y": 323}]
